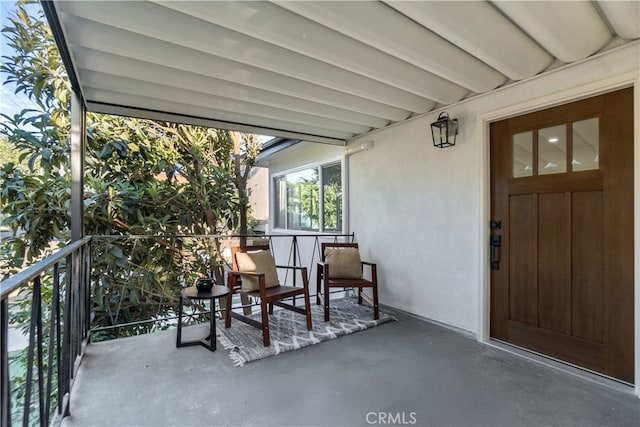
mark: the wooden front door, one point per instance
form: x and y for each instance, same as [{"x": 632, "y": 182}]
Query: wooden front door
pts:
[{"x": 562, "y": 233}]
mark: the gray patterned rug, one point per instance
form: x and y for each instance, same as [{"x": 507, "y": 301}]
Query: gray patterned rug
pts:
[{"x": 289, "y": 331}]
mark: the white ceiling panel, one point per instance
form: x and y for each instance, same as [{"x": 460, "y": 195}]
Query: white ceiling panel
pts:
[
  {"x": 624, "y": 17},
  {"x": 221, "y": 42},
  {"x": 427, "y": 50},
  {"x": 481, "y": 31},
  {"x": 569, "y": 30},
  {"x": 324, "y": 71},
  {"x": 105, "y": 45},
  {"x": 311, "y": 41},
  {"x": 198, "y": 99},
  {"x": 149, "y": 105},
  {"x": 118, "y": 67}
]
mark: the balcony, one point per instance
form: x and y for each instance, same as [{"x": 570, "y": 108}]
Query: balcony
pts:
[
  {"x": 407, "y": 372},
  {"x": 411, "y": 370}
]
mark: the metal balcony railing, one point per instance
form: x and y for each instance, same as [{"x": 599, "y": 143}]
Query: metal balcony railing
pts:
[
  {"x": 57, "y": 333},
  {"x": 87, "y": 291}
]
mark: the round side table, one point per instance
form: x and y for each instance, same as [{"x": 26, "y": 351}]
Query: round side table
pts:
[{"x": 192, "y": 293}]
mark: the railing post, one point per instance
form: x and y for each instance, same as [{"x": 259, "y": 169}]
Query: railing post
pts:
[{"x": 78, "y": 118}]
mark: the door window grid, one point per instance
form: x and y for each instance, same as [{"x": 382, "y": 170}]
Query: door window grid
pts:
[{"x": 570, "y": 147}]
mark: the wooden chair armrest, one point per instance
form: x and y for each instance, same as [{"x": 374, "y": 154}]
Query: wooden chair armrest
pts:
[
  {"x": 233, "y": 275},
  {"x": 244, "y": 273},
  {"x": 367, "y": 263},
  {"x": 291, "y": 267}
]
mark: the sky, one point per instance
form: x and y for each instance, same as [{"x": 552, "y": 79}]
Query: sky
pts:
[{"x": 10, "y": 103}]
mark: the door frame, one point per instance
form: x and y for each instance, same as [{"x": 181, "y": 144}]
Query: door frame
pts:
[{"x": 483, "y": 122}]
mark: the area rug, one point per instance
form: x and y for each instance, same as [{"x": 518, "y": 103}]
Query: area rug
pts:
[{"x": 289, "y": 330}]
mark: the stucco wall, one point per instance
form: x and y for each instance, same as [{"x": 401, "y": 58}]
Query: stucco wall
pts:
[
  {"x": 420, "y": 212},
  {"x": 259, "y": 198},
  {"x": 303, "y": 154}
]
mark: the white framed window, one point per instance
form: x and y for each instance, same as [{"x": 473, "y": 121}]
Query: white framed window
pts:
[{"x": 309, "y": 199}]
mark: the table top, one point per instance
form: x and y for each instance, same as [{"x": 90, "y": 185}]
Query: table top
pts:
[{"x": 216, "y": 292}]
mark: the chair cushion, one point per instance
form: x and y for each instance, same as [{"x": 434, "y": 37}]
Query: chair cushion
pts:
[
  {"x": 343, "y": 263},
  {"x": 257, "y": 262}
]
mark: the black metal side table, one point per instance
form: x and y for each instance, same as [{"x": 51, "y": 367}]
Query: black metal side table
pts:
[{"x": 217, "y": 291}]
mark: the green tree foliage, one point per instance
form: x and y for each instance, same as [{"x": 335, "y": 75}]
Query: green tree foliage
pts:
[
  {"x": 8, "y": 153},
  {"x": 142, "y": 177}
]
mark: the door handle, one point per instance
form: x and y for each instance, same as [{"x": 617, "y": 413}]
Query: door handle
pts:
[{"x": 495, "y": 241}]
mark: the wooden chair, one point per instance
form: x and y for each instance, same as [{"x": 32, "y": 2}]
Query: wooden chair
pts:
[
  {"x": 326, "y": 279},
  {"x": 267, "y": 291}
]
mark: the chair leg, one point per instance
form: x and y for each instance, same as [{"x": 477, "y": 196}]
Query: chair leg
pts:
[
  {"x": 360, "y": 296},
  {"x": 376, "y": 313},
  {"x": 318, "y": 280},
  {"x": 307, "y": 306},
  {"x": 227, "y": 311},
  {"x": 270, "y": 308},
  {"x": 326, "y": 300},
  {"x": 265, "y": 323}
]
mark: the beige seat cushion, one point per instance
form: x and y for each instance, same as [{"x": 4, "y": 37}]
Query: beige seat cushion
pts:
[
  {"x": 257, "y": 262},
  {"x": 343, "y": 263}
]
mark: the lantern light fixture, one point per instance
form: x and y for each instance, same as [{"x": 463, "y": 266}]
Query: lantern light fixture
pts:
[{"x": 444, "y": 131}]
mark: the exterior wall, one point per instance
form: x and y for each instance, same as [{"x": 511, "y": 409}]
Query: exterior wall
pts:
[
  {"x": 257, "y": 184},
  {"x": 422, "y": 213},
  {"x": 303, "y": 154}
]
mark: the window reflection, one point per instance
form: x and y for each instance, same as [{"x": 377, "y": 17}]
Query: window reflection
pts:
[
  {"x": 586, "y": 153},
  {"x": 523, "y": 154},
  {"x": 309, "y": 199},
  {"x": 552, "y": 150}
]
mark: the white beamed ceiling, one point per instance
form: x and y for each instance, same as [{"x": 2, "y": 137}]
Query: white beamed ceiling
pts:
[{"x": 321, "y": 71}]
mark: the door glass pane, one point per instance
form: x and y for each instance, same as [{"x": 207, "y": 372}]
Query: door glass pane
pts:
[
  {"x": 586, "y": 152},
  {"x": 552, "y": 150},
  {"x": 523, "y": 154}
]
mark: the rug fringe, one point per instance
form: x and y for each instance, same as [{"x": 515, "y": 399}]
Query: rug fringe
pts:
[{"x": 236, "y": 358}]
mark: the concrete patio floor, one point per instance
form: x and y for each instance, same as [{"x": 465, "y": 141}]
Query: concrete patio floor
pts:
[{"x": 408, "y": 372}]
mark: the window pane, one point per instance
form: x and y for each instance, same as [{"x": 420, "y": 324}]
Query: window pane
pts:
[
  {"x": 586, "y": 153},
  {"x": 332, "y": 197},
  {"x": 552, "y": 150},
  {"x": 280, "y": 191},
  {"x": 523, "y": 154},
  {"x": 303, "y": 211}
]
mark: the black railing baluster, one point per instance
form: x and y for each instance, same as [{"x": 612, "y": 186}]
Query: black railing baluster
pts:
[
  {"x": 66, "y": 340},
  {"x": 76, "y": 323},
  {"x": 5, "y": 383},
  {"x": 52, "y": 342},
  {"x": 41, "y": 411},
  {"x": 87, "y": 284},
  {"x": 294, "y": 243},
  {"x": 35, "y": 305},
  {"x": 58, "y": 318},
  {"x": 69, "y": 328}
]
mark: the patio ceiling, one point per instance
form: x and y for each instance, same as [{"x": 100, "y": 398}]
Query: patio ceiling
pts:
[{"x": 319, "y": 71}]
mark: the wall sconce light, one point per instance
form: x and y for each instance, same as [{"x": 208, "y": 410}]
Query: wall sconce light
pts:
[{"x": 444, "y": 131}]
